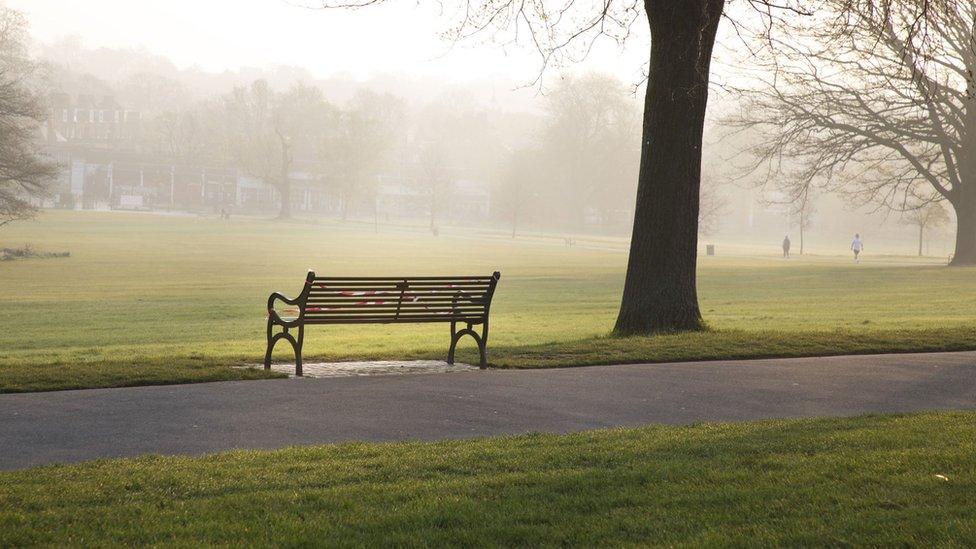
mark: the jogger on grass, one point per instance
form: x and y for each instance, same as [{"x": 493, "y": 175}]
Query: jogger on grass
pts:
[{"x": 857, "y": 246}]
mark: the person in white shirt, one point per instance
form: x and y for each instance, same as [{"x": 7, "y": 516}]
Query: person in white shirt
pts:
[{"x": 857, "y": 246}]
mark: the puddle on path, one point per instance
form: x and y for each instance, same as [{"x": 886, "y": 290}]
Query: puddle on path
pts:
[{"x": 375, "y": 368}]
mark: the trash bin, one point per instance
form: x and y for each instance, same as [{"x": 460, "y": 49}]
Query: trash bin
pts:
[{"x": 710, "y": 249}]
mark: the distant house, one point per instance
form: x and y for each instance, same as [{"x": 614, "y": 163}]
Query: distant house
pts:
[
  {"x": 105, "y": 164},
  {"x": 89, "y": 119}
]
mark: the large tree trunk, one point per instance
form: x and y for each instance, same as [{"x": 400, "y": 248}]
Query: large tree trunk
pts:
[
  {"x": 660, "y": 292},
  {"x": 965, "y": 207}
]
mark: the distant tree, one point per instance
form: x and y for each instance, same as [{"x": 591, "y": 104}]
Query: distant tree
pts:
[
  {"x": 25, "y": 173},
  {"x": 592, "y": 145},
  {"x": 931, "y": 215},
  {"x": 713, "y": 205},
  {"x": 454, "y": 138},
  {"x": 803, "y": 210},
  {"x": 517, "y": 187},
  {"x": 885, "y": 116},
  {"x": 263, "y": 128},
  {"x": 362, "y": 140},
  {"x": 188, "y": 135},
  {"x": 436, "y": 177},
  {"x": 152, "y": 93}
]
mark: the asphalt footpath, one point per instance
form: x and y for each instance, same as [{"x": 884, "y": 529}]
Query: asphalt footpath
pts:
[{"x": 70, "y": 426}]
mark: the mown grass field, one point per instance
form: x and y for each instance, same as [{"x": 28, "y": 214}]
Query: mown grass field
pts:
[
  {"x": 164, "y": 299},
  {"x": 869, "y": 481}
]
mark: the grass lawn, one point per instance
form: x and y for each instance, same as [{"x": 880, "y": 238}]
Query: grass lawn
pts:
[
  {"x": 158, "y": 299},
  {"x": 876, "y": 480}
]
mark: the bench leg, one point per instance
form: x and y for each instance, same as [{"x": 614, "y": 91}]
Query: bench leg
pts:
[
  {"x": 296, "y": 345},
  {"x": 450, "y": 352},
  {"x": 298, "y": 351},
  {"x": 482, "y": 350},
  {"x": 271, "y": 342},
  {"x": 483, "y": 346}
]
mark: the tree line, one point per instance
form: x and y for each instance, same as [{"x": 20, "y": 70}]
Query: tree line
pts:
[{"x": 570, "y": 165}]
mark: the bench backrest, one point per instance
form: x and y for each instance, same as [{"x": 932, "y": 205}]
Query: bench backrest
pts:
[{"x": 378, "y": 300}]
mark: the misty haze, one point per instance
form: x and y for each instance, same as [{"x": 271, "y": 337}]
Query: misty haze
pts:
[{"x": 469, "y": 237}]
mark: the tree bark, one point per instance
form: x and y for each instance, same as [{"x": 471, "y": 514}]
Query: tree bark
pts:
[
  {"x": 660, "y": 292},
  {"x": 284, "y": 184},
  {"x": 284, "y": 190},
  {"x": 514, "y": 221},
  {"x": 344, "y": 208},
  {"x": 801, "y": 234},
  {"x": 965, "y": 208}
]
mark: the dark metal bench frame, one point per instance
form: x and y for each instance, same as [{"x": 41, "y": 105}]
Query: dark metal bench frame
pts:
[{"x": 449, "y": 302}]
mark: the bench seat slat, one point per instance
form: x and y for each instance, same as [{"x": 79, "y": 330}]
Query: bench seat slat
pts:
[
  {"x": 402, "y": 313},
  {"x": 406, "y": 307},
  {"x": 442, "y": 282},
  {"x": 407, "y": 296},
  {"x": 442, "y": 316},
  {"x": 394, "y": 295},
  {"x": 391, "y": 320},
  {"x": 388, "y": 289},
  {"x": 328, "y": 309},
  {"x": 400, "y": 278},
  {"x": 397, "y": 283},
  {"x": 319, "y": 287}
]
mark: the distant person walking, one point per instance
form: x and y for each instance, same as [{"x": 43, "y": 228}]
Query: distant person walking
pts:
[
  {"x": 786, "y": 247},
  {"x": 857, "y": 247}
]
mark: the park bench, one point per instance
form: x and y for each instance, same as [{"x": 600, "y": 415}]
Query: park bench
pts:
[{"x": 385, "y": 300}]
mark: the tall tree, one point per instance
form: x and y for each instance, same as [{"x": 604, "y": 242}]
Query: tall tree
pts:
[
  {"x": 931, "y": 215},
  {"x": 25, "y": 173},
  {"x": 516, "y": 192},
  {"x": 660, "y": 292},
  {"x": 365, "y": 134},
  {"x": 592, "y": 143},
  {"x": 263, "y": 128},
  {"x": 453, "y": 138},
  {"x": 712, "y": 206},
  {"x": 802, "y": 210},
  {"x": 884, "y": 118}
]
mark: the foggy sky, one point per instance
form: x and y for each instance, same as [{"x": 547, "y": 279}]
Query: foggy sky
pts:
[{"x": 227, "y": 34}]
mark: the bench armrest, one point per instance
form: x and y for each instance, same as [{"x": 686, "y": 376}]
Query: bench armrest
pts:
[{"x": 278, "y": 296}]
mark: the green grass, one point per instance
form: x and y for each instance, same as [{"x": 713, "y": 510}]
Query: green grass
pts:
[
  {"x": 156, "y": 299},
  {"x": 874, "y": 481}
]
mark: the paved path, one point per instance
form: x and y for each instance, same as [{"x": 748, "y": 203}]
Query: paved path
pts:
[{"x": 193, "y": 419}]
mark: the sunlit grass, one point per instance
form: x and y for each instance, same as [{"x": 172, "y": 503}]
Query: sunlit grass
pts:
[
  {"x": 868, "y": 481},
  {"x": 158, "y": 299}
]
